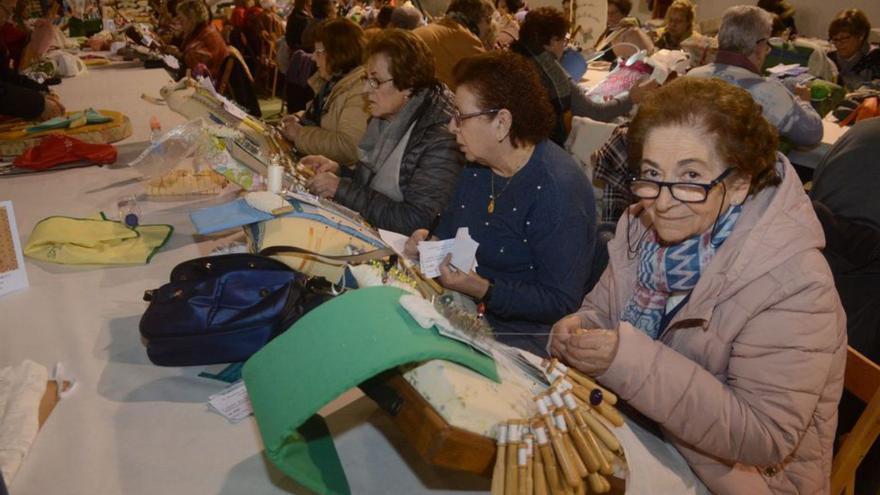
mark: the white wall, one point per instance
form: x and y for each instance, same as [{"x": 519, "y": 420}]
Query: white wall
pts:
[{"x": 811, "y": 16}]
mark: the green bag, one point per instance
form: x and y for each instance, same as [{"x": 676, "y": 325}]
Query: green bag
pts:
[{"x": 825, "y": 96}]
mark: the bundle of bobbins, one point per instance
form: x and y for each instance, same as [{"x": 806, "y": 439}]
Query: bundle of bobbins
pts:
[{"x": 564, "y": 450}]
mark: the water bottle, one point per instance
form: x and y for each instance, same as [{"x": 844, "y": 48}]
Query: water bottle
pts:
[
  {"x": 129, "y": 211},
  {"x": 155, "y": 130}
]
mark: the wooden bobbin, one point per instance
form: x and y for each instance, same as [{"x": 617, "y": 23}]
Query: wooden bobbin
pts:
[
  {"x": 511, "y": 476},
  {"x": 498, "y": 473},
  {"x": 555, "y": 481}
]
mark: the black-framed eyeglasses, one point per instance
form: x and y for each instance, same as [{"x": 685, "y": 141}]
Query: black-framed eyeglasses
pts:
[
  {"x": 459, "y": 117},
  {"x": 686, "y": 192},
  {"x": 841, "y": 38},
  {"x": 375, "y": 83}
]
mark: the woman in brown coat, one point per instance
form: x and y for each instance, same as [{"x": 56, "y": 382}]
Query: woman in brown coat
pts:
[{"x": 335, "y": 120}]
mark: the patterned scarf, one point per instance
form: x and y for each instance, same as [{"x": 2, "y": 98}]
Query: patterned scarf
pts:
[{"x": 664, "y": 270}]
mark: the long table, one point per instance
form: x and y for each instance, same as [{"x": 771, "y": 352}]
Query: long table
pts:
[{"x": 131, "y": 427}]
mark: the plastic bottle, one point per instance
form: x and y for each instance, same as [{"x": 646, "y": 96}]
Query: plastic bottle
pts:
[
  {"x": 155, "y": 130},
  {"x": 129, "y": 211}
]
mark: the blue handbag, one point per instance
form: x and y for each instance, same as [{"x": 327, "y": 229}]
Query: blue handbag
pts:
[{"x": 221, "y": 309}]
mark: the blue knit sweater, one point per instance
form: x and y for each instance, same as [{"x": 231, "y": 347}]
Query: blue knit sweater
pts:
[{"x": 536, "y": 247}]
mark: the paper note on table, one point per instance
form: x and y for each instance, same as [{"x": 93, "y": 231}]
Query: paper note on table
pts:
[
  {"x": 233, "y": 402},
  {"x": 12, "y": 273},
  {"x": 462, "y": 248},
  {"x": 396, "y": 241}
]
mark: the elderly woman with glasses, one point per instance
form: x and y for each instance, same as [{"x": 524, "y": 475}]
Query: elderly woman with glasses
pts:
[
  {"x": 717, "y": 316},
  {"x": 335, "y": 120},
  {"x": 857, "y": 61},
  {"x": 409, "y": 162},
  {"x": 522, "y": 198}
]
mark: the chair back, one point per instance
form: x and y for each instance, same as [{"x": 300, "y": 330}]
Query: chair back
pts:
[
  {"x": 237, "y": 83},
  {"x": 862, "y": 379}
]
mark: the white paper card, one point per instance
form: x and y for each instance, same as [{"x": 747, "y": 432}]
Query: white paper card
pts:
[
  {"x": 396, "y": 241},
  {"x": 463, "y": 249},
  {"x": 172, "y": 62},
  {"x": 233, "y": 402},
  {"x": 13, "y": 276}
]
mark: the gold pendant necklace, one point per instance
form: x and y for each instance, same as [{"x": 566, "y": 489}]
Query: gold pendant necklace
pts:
[{"x": 490, "y": 208}]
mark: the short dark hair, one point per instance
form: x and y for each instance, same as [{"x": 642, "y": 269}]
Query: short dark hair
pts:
[
  {"x": 541, "y": 26},
  {"x": 383, "y": 18},
  {"x": 851, "y": 21},
  {"x": 745, "y": 140},
  {"x": 411, "y": 61},
  {"x": 343, "y": 42},
  {"x": 321, "y": 9},
  {"x": 512, "y": 6},
  {"x": 506, "y": 80},
  {"x": 624, "y": 6}
]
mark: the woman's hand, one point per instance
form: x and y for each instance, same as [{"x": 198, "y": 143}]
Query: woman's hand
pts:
[
  {"x": 324, "y": 184},
  {"x": 411, "y": 249},
  {"x": 320, "y": 164},
  {"x": 469, "y": 284},
  {"x": 291, "y": 129},
  {"x": 590, "y": 350},
  {"x": 561, "y": 332}
]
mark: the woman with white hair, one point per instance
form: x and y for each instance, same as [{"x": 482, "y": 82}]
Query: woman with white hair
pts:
[{"x": 743, "y": 45}]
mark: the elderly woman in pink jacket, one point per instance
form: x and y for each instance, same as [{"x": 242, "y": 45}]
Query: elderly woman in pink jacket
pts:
[{"x": 717, "y": 317}]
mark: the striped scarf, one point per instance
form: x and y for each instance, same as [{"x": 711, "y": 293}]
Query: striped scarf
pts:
[{"x": 664, "y": 270}]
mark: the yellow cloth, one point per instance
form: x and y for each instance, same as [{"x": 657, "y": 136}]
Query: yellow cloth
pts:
[{"x": 94, "y": 241}]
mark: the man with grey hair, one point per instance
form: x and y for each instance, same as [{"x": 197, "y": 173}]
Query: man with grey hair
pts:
[
  {"x": 406, "y": 17},
  {"x": 742, "y": 49}
]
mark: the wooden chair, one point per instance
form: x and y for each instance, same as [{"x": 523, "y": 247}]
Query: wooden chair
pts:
[
  {"x": 862, "y": 379},
  {"x": 237, "y": 82}
]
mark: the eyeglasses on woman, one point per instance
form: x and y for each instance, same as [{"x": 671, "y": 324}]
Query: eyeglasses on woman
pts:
[{"x": 686, "y": 192}]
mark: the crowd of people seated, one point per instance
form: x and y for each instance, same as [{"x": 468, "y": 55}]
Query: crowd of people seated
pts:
[
  {"x": 704, "y": 285},
  {"x": 738, "y": 356}
]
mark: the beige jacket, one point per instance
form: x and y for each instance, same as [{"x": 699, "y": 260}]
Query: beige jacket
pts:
[
  {"x": 450, "y": 42},
  {"x": 746, "y": 379},
  {"x": 343, "y": 123}
]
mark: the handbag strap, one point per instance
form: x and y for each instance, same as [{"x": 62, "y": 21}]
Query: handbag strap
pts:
[{"x": 346, "y": 258}]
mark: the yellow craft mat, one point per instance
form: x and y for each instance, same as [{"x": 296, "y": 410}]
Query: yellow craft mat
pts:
[{"x": 17, "y": 129}]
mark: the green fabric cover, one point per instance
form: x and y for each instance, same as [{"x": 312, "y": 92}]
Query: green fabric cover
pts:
[{"x": 333, "y": 348}]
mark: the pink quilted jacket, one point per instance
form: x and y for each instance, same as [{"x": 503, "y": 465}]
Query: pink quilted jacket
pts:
[{"x": 746, "y": 379}]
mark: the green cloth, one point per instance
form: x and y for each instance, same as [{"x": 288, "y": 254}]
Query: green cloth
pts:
[
  {"x": 91, "y": 115},
  {"x": 825, "y": 96},
  {"x": 94, "y": 241},
  {"x": 333, "y": 348}
]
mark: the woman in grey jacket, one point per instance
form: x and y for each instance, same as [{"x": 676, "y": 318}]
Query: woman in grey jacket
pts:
[{"x": 409, "y": 161}]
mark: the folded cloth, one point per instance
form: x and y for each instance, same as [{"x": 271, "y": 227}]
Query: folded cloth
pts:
[
  {"x": 72, "y": 120},
  {"x": 94, "y": 241},
  {"x": 21, "y": 390},
  {"x": 56, "y": 149}
]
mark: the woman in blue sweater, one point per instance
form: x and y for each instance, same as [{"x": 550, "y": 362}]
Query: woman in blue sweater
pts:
[{"x": 523, "y": 199}]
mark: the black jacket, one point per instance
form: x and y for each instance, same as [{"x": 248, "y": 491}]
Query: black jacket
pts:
[
  {"x": 19, "y": 96},
  {"x": 429, "y": 173}
]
